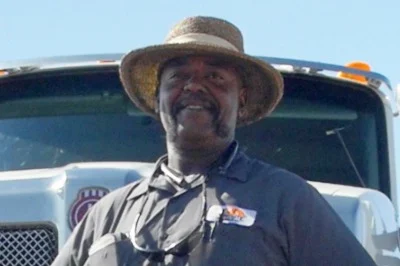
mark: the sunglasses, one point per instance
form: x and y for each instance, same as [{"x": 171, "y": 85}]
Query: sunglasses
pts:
[{"x": 179, "y": 248}]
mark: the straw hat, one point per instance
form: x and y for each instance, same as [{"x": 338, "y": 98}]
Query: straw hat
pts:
[{"x": 139, "y": 69}]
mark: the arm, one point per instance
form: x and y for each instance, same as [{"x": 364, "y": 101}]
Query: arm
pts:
[
  {"x": 75, "y": 250},
  {"x": 317, "y": 235},
  {"x": 95, "y": 224}
]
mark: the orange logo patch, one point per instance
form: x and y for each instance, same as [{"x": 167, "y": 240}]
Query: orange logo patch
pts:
[{"x": 235, "y": 212}]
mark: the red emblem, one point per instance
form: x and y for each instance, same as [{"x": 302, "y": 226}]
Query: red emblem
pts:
[{"x": 87, "y": 197}]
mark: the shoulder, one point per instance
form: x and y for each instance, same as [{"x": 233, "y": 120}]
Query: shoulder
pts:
[
  {"x": 282, "y": 185},
  {"x": 274, "y": 175},
  {"x": 116, "y": 197},
  {"x": 293, "y": 193},
  {"x": 293, "y": 196},
  {"x": 97, "y": 222},
  {"x": 105, "y": 215}
]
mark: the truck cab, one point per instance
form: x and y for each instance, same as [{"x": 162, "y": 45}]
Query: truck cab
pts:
[{"x": 69, "y": 135}]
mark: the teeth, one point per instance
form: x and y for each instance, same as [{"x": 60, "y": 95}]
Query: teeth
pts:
[{"x": 195, "y": 107}]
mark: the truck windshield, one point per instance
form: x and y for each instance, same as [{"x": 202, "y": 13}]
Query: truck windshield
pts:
[{"x": 54, "y": 119}]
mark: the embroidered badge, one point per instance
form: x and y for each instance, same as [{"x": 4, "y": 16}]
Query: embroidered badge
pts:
[
  {"x": 230, "y": 214},
  {"x": 87, "y": 197}
]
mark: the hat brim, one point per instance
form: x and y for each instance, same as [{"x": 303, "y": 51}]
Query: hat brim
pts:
[{"x": 139, "y": 74}]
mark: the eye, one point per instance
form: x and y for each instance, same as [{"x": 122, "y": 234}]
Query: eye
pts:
[
  {"x": 215, "y": 76},
  {"x": 178, "y": 75}
]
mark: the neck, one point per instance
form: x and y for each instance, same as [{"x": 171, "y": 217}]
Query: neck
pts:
[{"x": 195, "y": 158}]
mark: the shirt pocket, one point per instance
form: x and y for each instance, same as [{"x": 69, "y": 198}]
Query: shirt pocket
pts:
[{"x": 240, "y": 245}]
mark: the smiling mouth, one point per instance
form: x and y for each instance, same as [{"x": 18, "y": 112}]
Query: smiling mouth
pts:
[
  {"x": 195, "y": 107},
  {"x": 195, "y": 103}
]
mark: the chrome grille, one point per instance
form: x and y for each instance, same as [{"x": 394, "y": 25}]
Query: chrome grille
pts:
[{"x": 27, "y": 245}]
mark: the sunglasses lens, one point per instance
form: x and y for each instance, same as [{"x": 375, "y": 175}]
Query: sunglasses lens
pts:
[
  {"x": 179, "y": 249},
  {"x": 155, "y": 256}
]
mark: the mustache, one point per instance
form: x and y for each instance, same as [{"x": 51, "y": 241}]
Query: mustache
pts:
[{"x": 190, "y": 98}]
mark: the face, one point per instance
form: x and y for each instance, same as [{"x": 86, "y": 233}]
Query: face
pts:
[{"x": 199, "y": 96}]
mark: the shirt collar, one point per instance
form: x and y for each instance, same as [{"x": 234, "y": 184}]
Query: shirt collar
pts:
[
  {"x": 140, "y": 189},
  {"x": 235, "y": 166},
  {"x": 143, "y": 183},
  {"x": 238, "y": 169}
]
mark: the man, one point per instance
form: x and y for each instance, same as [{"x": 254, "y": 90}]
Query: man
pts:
[{"x": 207, "y": 203}]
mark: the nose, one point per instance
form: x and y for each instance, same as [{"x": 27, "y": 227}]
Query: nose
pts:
[{"x": 194, "y": 86}]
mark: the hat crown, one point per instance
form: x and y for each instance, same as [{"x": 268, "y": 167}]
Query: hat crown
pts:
[{"x": 210, "y": 26}]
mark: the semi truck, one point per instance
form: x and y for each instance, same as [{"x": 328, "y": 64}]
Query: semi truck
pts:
[{"x": 69, "y": 135}]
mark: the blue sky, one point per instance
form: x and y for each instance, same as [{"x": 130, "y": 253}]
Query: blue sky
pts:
[{"x": 327, "y": 31}]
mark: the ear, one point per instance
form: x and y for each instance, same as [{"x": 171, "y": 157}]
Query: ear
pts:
[
  {"x": 242, "y": 97},
  {"x": 157, "y": 102},
  {"x": 157, "y": 106},
  {"x": 242, "y": 102}
]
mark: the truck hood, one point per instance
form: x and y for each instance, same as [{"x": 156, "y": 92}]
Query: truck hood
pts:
[{"x": 61, "y": 196}]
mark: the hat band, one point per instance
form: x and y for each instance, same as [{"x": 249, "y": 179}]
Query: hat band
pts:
[{"x": 202, "y": 38}]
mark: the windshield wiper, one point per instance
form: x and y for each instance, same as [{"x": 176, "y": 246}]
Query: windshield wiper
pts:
[{"x": 336, "y": 131}]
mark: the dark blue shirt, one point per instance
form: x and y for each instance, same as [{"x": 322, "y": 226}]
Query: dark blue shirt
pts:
[{"x": 293, "y": 225}]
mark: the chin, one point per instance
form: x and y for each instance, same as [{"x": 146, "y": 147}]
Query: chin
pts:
[{"x": 195, "y": 131}]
